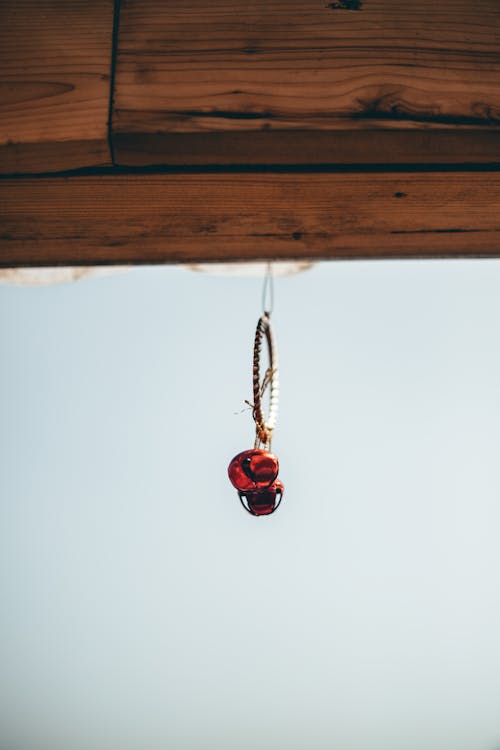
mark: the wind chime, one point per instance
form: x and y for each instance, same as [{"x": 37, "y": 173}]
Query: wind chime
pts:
[{"x": 254, "y": 472}]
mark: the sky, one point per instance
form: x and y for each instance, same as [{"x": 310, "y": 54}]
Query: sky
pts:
[{"x": 142, "y": 607}]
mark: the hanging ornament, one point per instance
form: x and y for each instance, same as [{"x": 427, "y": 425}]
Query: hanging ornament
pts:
[{"x": 254, "y": 472}]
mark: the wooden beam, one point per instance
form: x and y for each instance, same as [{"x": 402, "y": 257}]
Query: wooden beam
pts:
[
  {"x": 55, "y": 63},
  {"x": 174, "y": 218},
  {"x": 302, "y": 81}
]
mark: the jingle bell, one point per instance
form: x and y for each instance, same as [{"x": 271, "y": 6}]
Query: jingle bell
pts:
[
  {"x": 263, "y": 502},
  {"x": 253, "y": 470}
]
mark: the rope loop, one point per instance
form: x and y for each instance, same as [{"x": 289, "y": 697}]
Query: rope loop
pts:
[{"x": 264, "y": 428}]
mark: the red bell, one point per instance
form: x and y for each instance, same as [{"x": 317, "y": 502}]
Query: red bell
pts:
[
  {"x": 253, "y": 470},
  {"x": 263, "y": 502}
]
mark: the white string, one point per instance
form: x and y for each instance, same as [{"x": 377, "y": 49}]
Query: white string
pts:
[{"x": 268, "y": 291}]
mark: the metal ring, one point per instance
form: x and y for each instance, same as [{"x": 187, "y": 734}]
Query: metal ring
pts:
[{"x": 264, "y": 428}]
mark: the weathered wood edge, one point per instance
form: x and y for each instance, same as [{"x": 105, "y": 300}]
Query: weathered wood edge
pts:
[{"x": 184, "y": 218}]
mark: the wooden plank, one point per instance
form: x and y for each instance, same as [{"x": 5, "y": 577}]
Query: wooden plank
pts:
[
  {"x": 302, "y": 81},
  {"x": 174, "y": 218},
  {"x": 55, "y": 64}
]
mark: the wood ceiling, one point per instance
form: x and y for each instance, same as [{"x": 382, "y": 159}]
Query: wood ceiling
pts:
[{"x": 153, "y": 131}]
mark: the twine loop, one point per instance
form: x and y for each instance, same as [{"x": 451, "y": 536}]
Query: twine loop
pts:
[{"x": 264, "y": 428}]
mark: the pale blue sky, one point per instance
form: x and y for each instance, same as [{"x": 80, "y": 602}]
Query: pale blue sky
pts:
[{"x": 143, "y": 608}]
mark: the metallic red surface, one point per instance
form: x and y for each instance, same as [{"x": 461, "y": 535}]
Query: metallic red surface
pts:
[
  {"x": 253, "y": 470},
  {"x": 265, "y": 501}
]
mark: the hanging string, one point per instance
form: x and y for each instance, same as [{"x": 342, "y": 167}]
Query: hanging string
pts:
[{"x": 268, "y": 291}]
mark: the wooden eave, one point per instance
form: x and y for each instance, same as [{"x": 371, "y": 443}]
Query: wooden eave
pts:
[{"x": 154, "y": 131}]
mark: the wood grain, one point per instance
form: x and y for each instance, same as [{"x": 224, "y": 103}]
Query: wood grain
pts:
[
  {"x": 308, "y": 81},
  {"x": 169, "y": 218},
  {"x": 55, "y": 63}
]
